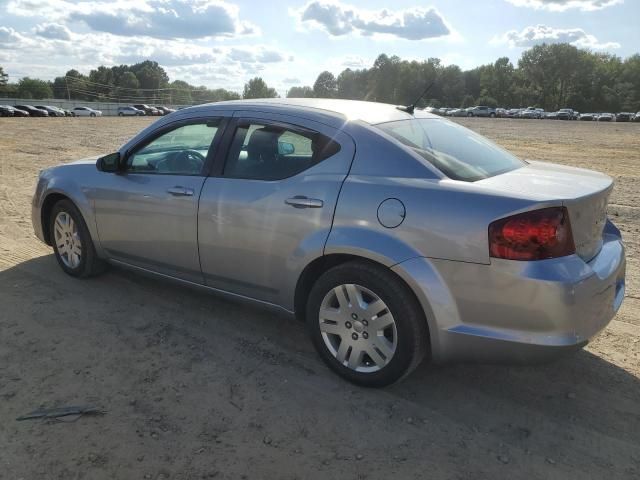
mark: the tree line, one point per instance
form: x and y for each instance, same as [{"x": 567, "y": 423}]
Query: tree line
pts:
[{"x": 549, "y": 76}]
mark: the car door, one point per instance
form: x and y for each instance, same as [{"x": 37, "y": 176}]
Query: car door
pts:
[
  {"x": 147, "y": 214},
  {"x": 268, "y": 209}
]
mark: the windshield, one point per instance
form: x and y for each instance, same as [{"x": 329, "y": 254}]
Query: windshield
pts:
[{"x": 456, "y": 151}]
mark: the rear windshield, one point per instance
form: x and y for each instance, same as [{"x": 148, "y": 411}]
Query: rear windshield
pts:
[{"x": 456, "y": 151}]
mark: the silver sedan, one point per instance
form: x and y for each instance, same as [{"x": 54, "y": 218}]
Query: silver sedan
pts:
[{"x": 395, "y": 236}]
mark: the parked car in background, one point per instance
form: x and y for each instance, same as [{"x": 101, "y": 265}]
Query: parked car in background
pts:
[
  {"x": 32, "y": 111},
  {"x": 147, "y": 109},
  {"x": 512, "y": 260},
  {"x": 512, "y": 113},
  {"x": 7, "y": 111},
  {"x": 532, "y": 113},
  {"x": 587, "y": 117},
  {"x": 481, "y": 111},
  {"x": 624, "y": 117},
  {"x": 52, "y": 111},
  {"x": 165, "y": 110},
  {"x": 566, "y": 114},
  {"x": 606, "y": 117},
  {"x": 501, "y": 112},
  {"x": 130, "y": 112},
  {"x": 457, "y": 112},
  {"x": 86, "y": 112},
  {"x": 636, "y": 117}
]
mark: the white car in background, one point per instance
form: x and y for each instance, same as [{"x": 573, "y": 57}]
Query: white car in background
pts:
[
  {"x": 86, "y": 112},
  {"x": 129, "y": 112}
]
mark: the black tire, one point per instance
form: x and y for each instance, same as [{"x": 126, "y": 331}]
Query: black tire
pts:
[
  {"x": 92, "y": 114},
  {"x": 469, "y": 114},
  {"x": 492, "y": 115},
  {"x": 121, "y": 114},
  {"x": 90, "y": 264},
  {"x": 411, "y": 326}
]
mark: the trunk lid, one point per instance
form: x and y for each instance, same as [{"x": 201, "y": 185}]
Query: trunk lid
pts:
[{"x": 585, "y": 193}]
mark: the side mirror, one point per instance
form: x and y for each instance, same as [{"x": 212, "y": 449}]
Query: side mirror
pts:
[
  {"x": 285, "y": 148},
  {"x": 109, "y": 163}
]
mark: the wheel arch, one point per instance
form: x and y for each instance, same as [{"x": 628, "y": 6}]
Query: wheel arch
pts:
[
  {"x": 79, "y": 201},
  {"x": 45, "y": 213},
  {"x": 322, "y": 264}
]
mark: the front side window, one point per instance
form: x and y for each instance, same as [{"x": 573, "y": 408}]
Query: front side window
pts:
[
  {"x": 274, "y": 152},
  {"x": 182, "y": 151},
  {"x": 456, "y": 151}
]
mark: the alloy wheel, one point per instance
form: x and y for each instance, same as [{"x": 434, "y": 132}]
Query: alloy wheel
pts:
[
  {"x": 67, "y": 240},
  {"x": 358, "y": 328}
]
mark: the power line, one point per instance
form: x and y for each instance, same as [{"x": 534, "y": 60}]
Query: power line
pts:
[{"x": 177, "y": 89}]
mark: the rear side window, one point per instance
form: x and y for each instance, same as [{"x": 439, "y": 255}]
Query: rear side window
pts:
[
  {"x": 456, "y": 151},
  {"x": 275, "y": 152}
]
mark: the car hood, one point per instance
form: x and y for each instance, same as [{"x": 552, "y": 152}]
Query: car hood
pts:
[{"x": 85, "y": 161}]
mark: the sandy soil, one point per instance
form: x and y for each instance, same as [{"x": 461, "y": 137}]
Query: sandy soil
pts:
[{"x": 198, "y": 387}]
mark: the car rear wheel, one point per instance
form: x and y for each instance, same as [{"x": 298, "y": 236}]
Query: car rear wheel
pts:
[
  {"x": 366, "y": 325},
  {"x": 72, "y": 244},
  {"x": 93, "y": 114},
  {"x": 121, "y": 114},
  {"x": 469, "y": 114}
]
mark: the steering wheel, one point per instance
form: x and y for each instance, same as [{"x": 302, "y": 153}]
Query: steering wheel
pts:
[
  {"x": 184, "y": 162},
  {"x": 193, "y": 158}
]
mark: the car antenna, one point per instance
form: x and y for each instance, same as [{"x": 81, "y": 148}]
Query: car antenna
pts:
[{"x": 410, "y": 109}]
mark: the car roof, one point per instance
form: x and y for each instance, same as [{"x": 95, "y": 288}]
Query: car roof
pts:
[{"x": 335, "y": 110}]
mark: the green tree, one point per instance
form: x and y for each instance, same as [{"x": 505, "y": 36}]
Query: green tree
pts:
[
  {"x": 257, "y": 88},
  {"x": 300, "y": 92},
  {"x": 325, "y": 85},
  {"x": 352, "y": 84},
  {"x": 180, "y": 93},
  {"x": 488, "y": 101},
  {"x": 34, "y": 88},
  {"x": 4, "y": 78},
  {"x": 467, "y": 101},
  {"x": 498, "y": 81}
]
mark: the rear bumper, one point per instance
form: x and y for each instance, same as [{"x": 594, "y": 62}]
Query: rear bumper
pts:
[{"x": 518, "y": 311}]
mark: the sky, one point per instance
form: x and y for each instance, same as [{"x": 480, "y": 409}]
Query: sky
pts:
[{"x": 224, "y": 43}]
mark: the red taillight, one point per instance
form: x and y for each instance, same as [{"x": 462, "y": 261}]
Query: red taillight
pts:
[{"x": 532, "y": 235}]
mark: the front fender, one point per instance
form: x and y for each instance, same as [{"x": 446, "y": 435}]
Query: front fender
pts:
[{"x": 67, "y": 186}]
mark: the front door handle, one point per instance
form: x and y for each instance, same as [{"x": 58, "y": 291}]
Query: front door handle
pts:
[
  {"x": 300, "y": 201},
  {"x": 180, "y": 191}
]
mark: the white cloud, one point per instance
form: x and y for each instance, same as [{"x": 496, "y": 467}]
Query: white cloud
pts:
[
  {"x": 535, "y": 35},
  {"x": 215, "y": 66},
  {"x": 9, "y": 37},
  {"x": 354, "y": 61},
  {"x": 53, "y": 31},
  {"x": 562, "y": 5},
  {"x": 341, "y": 19},
  {"x": 163, "y": 19}
]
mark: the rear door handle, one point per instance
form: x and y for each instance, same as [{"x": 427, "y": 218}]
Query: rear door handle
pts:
[
  {"x": 180, "y": 191},
  {"x": 300, "y": 201}
]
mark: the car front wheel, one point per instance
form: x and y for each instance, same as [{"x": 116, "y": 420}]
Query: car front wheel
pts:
[
  {"x": 72, "y": 244},
  {"x": 366, "y": 324}
]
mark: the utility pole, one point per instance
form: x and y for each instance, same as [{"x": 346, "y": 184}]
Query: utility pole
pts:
[{"x": 67, "y": 84}]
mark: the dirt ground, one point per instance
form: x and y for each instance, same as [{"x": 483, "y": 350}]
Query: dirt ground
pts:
[{"x": 198, "y": 387}]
